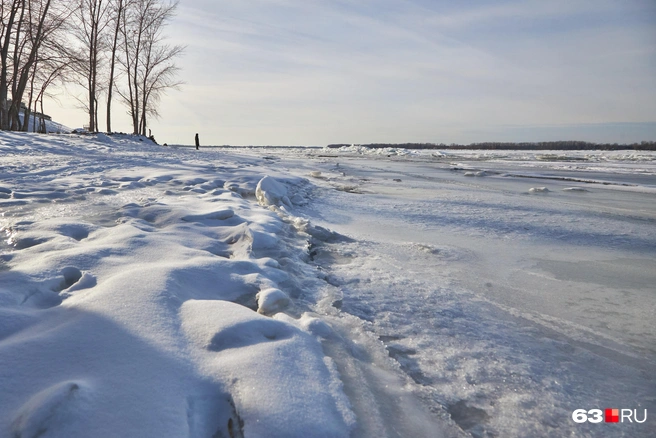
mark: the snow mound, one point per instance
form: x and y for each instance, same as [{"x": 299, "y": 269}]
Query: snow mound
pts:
[
  {"x": 270, "y": 301},
  {"x": 270, "y": 192},
  {"x": 274, "y": 192},
  {"x": 538, "y": 190},
  {"x": 245, "y": 344}
]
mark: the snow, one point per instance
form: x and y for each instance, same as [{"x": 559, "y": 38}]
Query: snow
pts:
[
  {"x": 271, "y": 192},
  {"x": 164, "y": 291},
  {"x": 271, "y": 301},
  {"x": 119, "y": 314}
]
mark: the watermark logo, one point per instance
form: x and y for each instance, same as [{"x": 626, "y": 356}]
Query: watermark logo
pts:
[
  {"x": 613, "y": 416},
  {"x": 610, "y": 415}
]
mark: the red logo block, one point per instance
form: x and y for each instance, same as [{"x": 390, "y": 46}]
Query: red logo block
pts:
[{"x": 612, "y": 415}]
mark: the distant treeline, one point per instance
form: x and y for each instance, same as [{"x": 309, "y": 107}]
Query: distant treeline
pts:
[{"x": 539, "y": 146}]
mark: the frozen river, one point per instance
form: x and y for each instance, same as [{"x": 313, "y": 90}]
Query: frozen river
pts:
[{"x": 510, "y": 307}]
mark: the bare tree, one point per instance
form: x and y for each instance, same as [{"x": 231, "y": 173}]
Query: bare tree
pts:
[
  {"x": 129, "y": 33},
  {"x": 147, "y": 60},
  {"x": 118, "y": 12},
  {"x": 20, "y": 44},
  {"x": 10, "y": 12},
  {"x": 92, "y": 18},
  {"x": 28, "y": 26},
  {"x": 132, "y": 27},
  {"x": 159, "y": 75},
  {"x": 53, "y": 66},
  {"x": 36, "y": 29}
]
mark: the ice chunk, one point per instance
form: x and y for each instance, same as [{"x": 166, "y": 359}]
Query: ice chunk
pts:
[
  {"x": 270, "y": 301},
  {"x": 574, "y": 189},
  {"x": 271, "y": 192}
]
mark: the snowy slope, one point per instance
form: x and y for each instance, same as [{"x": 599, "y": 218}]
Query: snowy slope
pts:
[
  {"x": 51, "y": 126},
  {"x": 129, "y": 286}
]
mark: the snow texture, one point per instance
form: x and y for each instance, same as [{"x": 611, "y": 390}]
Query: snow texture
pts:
[
  {"x": 163, "y": 292},
  {"x": 130, "y": 311}
]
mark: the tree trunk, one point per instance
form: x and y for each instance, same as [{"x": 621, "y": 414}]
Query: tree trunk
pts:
[
  {"x": 24, "y": 76},
  {"x": 91, "y": 82},
  {"x": 15, "y": 107},
  {"x": 110, "y": 88},
  {"x": 135, "y": 115},
  {"x": 34, "y": 125},
  {"x": 4, "y": 53},
  {"x": 28, "y": 109},
  {"x": 42, "y": 125}
]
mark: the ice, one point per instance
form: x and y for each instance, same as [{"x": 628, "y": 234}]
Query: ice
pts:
[
  {"x": 479, "y": 173},
  {"x": 271, "y": 192},
  {"x": 574, "y": 189},
  {"x": 511, "y": 308}
]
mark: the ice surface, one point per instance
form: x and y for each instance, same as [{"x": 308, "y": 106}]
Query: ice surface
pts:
[{"x": 508, "y": 310}]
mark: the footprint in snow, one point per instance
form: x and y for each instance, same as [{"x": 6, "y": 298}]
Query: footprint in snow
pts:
[
  {"x": 76, "y": 231},
  {"x": 48, "y": 412},
  {"x": 25, "y": 242},
  {"x": 249, "y": 333},
  {"x": 471, "y": 419},
  {"x": 74, "y": 280},
  {"x": 213, "y": 415}
]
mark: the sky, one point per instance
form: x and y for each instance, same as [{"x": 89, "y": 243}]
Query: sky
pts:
[{"x": 316, "y": 72}]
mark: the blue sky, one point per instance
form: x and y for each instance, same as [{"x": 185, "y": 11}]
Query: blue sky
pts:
[{"x": 310, "y": 72}]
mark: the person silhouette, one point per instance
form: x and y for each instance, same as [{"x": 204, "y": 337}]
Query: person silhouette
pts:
[{"x": 197, "y": 142}]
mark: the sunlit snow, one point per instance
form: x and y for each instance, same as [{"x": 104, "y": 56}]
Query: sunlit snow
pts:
[{"x": 164, "y": 292}]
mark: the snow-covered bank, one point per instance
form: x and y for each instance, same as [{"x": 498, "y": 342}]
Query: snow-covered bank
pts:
[
  {"x": 152, "y": 291},
  {"x": 129, "y": 287}
]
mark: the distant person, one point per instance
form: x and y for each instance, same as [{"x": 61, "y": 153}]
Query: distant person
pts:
[{"x": 197, "y": 142}]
